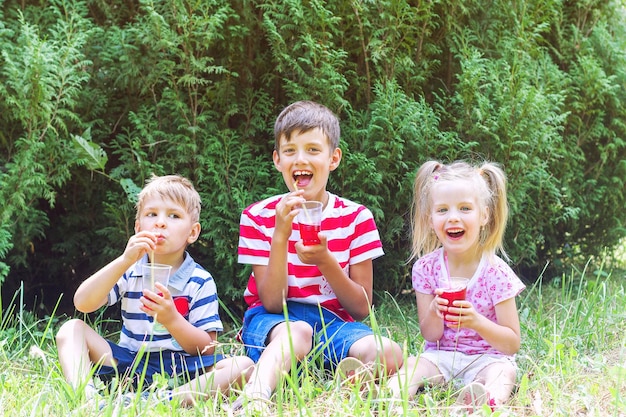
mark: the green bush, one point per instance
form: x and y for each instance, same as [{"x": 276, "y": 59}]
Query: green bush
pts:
[{"x": 98, "y": 95}]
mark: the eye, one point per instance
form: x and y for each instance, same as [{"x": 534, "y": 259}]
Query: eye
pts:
[
  {"x": 441, "y": 210},
  {"x": 174, "y": 216}
]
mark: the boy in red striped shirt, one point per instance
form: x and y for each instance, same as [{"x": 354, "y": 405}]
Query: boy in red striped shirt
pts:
[{"x": 303, "y": 298}]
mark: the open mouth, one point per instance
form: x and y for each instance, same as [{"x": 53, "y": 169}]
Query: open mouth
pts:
[
  {"x": 455, "y": 233},
  {"x": 302, "y": 178}
]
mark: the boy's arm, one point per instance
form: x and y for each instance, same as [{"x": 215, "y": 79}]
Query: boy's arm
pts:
[
  {"x": 354, "y": 292},
  {"x": 93, "y": 292},
  {"x": 192, "y": 339},
  {"x": 271, "y": 280}
]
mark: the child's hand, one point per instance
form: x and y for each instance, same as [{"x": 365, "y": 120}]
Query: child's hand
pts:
[
  {"x": 286, "y": 210},
  {"x": 138, "y": 245},
  {"x": 439, "y": 305},
  {"x": 314, "y": 254},
  {"x": 159, "y": 305},
  {"x": 462, "y": 314}
]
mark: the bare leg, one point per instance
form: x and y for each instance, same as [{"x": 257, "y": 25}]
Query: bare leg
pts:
[
  {"x": 79, "y": 347},
  {"x": 226, "y": 373},
  {"x": 499, "y": 379},
  {"x": 371, "y": 349},
  {"x": 412, "y": 376},
  {"x": 287, "y": 341}
]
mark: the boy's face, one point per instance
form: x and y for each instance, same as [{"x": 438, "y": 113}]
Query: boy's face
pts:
[
  {"x": 170, "y": 222},
  {"x": 308, "y": 160}
]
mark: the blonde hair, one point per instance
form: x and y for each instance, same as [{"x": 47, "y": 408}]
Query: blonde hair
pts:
[
  {"x": 489, "y": 182},
  {"x": 175, "y": 188}
]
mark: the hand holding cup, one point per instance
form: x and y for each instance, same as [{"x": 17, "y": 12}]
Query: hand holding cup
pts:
[{"x": 456, "y": 291}]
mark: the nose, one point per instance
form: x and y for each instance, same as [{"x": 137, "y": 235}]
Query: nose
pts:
[
  {"x": 160, "y": 221},
  {"x": 301, "y": 157},
  {"x": 453, "y": 215}
]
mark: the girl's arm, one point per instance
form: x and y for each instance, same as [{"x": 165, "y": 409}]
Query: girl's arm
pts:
[
  {"x": 504, "y": 335},
  {"x": 430, "y": 318}
]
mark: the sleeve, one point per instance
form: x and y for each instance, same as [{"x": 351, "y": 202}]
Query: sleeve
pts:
[
  {"x": 204, "y": 306},
  {"x": 426, "y": 273},
  {"x": 254, "y": 239},
  {"x": 366, "y": 243},
  {"x": 118, "y": 290},
  {"x": 503, "y": 283}
]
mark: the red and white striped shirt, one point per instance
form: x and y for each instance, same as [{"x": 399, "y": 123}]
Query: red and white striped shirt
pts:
[{"x": 352, "y": 238}]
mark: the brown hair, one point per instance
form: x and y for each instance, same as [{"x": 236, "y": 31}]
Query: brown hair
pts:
[{"x": 303, "y": 116}]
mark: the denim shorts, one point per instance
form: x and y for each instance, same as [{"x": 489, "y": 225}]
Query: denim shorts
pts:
[
  {"x": 331, "y": 335},
  {"x": 136, "y": 366}
]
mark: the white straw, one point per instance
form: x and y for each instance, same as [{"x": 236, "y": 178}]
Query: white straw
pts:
[{"x": 306, "y": 212}]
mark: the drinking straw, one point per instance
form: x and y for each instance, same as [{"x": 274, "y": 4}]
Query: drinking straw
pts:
[
  {"x": 152, "y": 270},
  {"x": 306, "y": 212}
]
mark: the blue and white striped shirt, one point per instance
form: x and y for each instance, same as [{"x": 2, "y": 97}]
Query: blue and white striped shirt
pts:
[{"x": 191, "y": 281}]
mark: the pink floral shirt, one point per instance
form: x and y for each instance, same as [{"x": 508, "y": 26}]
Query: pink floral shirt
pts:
[{"x": 490, "y": 285}]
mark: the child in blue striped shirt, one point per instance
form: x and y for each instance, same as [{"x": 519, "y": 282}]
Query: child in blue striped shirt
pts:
[{"x": 170, "y": 330}]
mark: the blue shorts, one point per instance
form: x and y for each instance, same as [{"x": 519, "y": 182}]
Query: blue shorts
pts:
[
  {"x": 136, "y": 366},
  {"x": 332, "y": 335}
]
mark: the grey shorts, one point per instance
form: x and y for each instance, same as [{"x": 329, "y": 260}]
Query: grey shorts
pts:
[{"x": 460, "y": 368}]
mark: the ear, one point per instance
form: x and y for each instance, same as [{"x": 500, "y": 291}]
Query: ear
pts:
[
  {"x": 137, "y": 230},
  {"x": 335, "y": 159},
  {"x": 276, "y": 159},
  {"x": 194, "y": 234},
  {"x": 485, "y": 217}
]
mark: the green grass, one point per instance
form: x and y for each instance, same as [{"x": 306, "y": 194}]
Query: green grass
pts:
[{"x": 572, "y": 361}]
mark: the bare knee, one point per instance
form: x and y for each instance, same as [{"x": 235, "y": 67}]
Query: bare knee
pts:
[
  {"x": 239, "y": 367},
  {"x": 301, "y": 337},
  {"x": 298, "y": 335},
  {"x": 69, "y": 330},
  {"x": 392, "y": 356},
  {"x": 499, "y": 380},
  {"x": 387, "y": 352}
]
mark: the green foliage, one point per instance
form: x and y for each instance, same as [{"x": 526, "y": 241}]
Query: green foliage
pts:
[{"x": 97, "y": 96}]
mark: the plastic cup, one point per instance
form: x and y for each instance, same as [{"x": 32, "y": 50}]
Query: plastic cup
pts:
[
  {"x": 456, "y": 291},
  {"x": 153, "y": 273},
  {"x": 310, "y": 222}
]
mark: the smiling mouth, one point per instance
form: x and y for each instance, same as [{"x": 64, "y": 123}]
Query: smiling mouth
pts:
[
  {"x": 302, "y": 178},
  {"x": 455, "y": 233}
]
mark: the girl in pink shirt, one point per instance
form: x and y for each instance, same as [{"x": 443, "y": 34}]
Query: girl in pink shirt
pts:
[{"x": 459, "y": 218}]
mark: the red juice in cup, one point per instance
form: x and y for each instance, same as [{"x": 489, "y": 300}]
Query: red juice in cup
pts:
[
  {"x": 310, "y": 222},
  {"x": 456, "y": 293},
  {"x": 308, "y": 233}
]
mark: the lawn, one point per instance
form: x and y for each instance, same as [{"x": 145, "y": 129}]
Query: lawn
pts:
[{"x": 572, "y": 361}]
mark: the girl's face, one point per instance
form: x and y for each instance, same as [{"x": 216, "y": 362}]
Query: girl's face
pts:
[
  {"x": 170, "y": 222},
  {"x": 308, "y": 160},
  {"x": 457, "y": 217}
]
